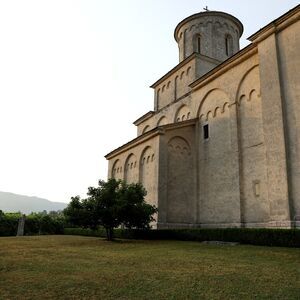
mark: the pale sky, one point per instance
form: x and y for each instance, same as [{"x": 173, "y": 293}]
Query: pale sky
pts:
[{"x": 74, "y": 75}]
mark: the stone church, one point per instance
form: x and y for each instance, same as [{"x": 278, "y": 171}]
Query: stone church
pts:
[{"x": 221, "y": 147}]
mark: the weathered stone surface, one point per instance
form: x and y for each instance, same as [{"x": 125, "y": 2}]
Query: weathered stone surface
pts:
[{"x": 21, "y": 226}]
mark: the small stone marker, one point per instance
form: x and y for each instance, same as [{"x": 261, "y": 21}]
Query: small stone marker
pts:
[{"x": 21, "y": 226}]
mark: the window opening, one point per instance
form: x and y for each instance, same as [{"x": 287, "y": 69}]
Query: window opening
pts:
[
  {"x": 199, "y": 44},
  {"x": 228, "y": 45},
  {"x": 205, "y": 131}
]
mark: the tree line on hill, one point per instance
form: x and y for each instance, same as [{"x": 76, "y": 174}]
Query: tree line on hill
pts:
[{"x": 109, "y": 205}]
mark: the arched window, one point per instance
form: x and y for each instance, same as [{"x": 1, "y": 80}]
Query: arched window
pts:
[
  {"x": 197, "y": 43},
  {"x": 228, "y": 45}
]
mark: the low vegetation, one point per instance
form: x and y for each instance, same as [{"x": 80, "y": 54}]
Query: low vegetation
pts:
[
  {"x": 110, "y": 205},
  {"x": 252, "y": 236},
  {"x": 75, "y": 267},
  {"x": 36, "y": 223}
]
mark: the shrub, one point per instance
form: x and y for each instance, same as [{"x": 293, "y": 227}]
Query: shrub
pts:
[
  {"x": 43, "y": 224},
  {"x": 253, "y": 236},
  {"x": 35, "y": 223},
  {"x": 9, "y": 223}
]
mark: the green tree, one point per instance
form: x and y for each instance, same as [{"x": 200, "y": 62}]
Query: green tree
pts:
[
  {"x": 79, "y": 213},
  {"x": 134, "y": 211},
  {"x": 111, "y": 204}
]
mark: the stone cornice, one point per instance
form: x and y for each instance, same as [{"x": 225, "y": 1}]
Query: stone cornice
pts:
[
  {"x": 144, "y": 117},
  {"x": 232, "y": 61},
  {"x": 140, "y": 139},
  {"x": 209, "y": 59},
  {"x": 278, "y": 24},
  {"x": 178, "y": 124},
  {"x": 147, "y": 136},
  {"x": 172, "y": 71}
]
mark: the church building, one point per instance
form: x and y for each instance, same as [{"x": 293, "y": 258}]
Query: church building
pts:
[{"x": 221, "y": 147}]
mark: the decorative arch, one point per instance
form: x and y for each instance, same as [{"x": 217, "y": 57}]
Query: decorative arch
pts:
[
  {"x": 145, "y": 129},
  {"x": 254, "y": 69},
  {"x": 252, "y": 147},
  {"x": 226, "y": 25},
  {"x": 182, "y": 112},
  {"x": 192, "y": 27},
  {"x": 162, "y": 121},
  {"x": 225, "y": 106},
  {"x": 116, "y": 171},
  {"x": 209, "y": 115},
  {"x": 188, "y": 70},
  {"x": 217, "y": 111},
  {"x": 253, "y": 93},
  {"x": 250, "y": 109},
  {"x": 217, "y": 24},
  {"x": 175, "y": 86},
  {"x": 131, "y": 169},
  {"x": 213, "y": 99},
  {"x": 215, "y": 120},
  {"x": 147, "y": 173},
  {"x": 242, "y": 99},
  {"x": 146, "y": 155},
  {"x": 180, "y": 182},
  {"x": 180, "y": 144}
]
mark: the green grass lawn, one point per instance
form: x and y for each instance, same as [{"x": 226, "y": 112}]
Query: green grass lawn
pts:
[{"x": 74, "y": 267}]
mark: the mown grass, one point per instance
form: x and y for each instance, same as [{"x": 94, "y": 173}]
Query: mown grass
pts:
[{"x": 74, "y": 267}]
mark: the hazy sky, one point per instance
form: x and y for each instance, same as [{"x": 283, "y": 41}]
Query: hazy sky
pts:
[{"x": 74, "y": 75}]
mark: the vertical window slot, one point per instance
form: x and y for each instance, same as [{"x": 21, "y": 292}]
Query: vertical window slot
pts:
[{"x": 205, "y": 131}]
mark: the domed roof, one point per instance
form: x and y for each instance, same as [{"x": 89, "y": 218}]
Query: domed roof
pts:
[{"x": 209, "y": 13}]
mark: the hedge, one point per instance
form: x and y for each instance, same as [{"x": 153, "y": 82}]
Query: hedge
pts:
[
  {"x": 253, "y": 236},
  {"x": 43, "y": 225},
  {"x": 34, "y": 224},
  {"x": 9, "y": 223}
]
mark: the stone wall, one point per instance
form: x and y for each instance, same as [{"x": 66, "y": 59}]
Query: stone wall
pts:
[
  {"x": 139, "y": 163},
  {"x": 225, "y": 151},
  {"x": 288, "y": 44}
]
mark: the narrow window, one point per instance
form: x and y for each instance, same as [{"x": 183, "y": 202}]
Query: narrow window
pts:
[
  {"x": 228, "y": 45},
  {"x": 199, "y": 44},
  {"x": 205, "y": 132}
]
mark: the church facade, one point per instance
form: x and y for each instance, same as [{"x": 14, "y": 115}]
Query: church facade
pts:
[{"x": 222, "y": 146}]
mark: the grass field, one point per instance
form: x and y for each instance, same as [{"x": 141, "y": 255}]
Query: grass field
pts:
[{"x": 74, "y": 267}]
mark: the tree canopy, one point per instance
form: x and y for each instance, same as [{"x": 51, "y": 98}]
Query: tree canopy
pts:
[{"x": 111, "y": 204}]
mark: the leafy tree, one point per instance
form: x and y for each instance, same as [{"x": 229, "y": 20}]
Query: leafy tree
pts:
[
  {"x": 111, "y": 204},
  {"x": 134, "y": 211},
  {"x": 79, "y": 213},
  {"x": 104, "y": 201}
]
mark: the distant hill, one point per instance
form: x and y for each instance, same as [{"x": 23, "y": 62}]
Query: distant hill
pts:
[{"x": 10, "y": 202}]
